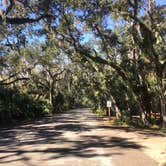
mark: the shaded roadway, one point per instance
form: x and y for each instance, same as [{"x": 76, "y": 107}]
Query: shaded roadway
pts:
[{"x": 74, "y": 138}]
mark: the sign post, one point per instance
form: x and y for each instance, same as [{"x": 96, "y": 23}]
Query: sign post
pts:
[{"x": 109, "y": 104}]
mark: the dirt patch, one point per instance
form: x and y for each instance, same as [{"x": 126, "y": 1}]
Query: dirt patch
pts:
[{"x": 153, "y": 141}]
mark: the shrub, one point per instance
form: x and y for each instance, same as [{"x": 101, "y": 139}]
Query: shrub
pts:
[{"x": 15, "y": 105}]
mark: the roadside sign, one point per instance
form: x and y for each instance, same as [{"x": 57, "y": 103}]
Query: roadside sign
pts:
[{"x": 109, "y": 103}]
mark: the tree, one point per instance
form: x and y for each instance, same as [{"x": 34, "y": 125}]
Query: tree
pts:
[
  {"x": 133, "y": 48},
  {"x": 143, "y": 32}
]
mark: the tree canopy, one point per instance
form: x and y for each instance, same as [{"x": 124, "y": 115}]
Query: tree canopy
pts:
[{"x": 71, "y": 53}]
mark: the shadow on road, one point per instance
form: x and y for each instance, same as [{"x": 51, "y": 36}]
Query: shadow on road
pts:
[
  {"x": 147, "y": 133},
  {"x": 43, "y": 136}
]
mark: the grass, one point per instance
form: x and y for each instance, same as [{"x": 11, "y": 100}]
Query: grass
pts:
[{"x": 137, "y": 124}]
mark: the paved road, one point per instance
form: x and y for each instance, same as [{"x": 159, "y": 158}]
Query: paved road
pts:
[{"x": 75, "y": 138}]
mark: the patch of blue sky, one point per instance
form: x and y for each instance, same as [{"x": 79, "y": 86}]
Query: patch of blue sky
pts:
[
  {"x": 37, "y": 39},
  {"x": 32, "y": 15},
  {"x": 87, "y": 37},
  {"x": 1, "y": 6},
  {"x": 160, "y": 2},
  {"x": 110, "y": 24}
]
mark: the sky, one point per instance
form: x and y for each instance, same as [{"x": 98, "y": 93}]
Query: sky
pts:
[
  {"x": 161, "y": 2},
  {"x": 89, "y": 36}
]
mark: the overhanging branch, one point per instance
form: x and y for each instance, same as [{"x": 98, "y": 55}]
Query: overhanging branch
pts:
[
  {"x": 11, "y": 82},
  {"x": 21, "y": 20}
]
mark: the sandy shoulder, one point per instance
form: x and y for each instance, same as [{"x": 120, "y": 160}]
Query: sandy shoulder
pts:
[{"x": 154, "y": 143}]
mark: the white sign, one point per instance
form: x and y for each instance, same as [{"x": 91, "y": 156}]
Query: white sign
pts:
[{"x": 109, "y": 103}]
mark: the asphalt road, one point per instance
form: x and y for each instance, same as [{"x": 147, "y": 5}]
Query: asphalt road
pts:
[{"x": 75, "y": 138}]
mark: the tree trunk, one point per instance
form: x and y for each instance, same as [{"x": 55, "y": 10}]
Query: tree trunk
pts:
[
  {"x": 2, "y": 114},
  {"x": 115, "y": 107},
  {"x": 51, "y": 90},
  {"x": 143, "y": 114},
  {"x": 162, "y": 102}
]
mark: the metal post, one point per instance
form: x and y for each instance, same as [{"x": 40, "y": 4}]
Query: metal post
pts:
[{"x": 109, "y": 112}]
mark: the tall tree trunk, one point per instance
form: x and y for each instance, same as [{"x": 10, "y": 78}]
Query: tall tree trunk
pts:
[
  {"x": 162, "y": 101},
  {"x": 2, "y": 114},
  {"x": 139, "y": 104},
  {"x": 51, "y": 90},
  {"x": 143, "y": 114},
  {"x": 115, "y": 107},
  {"x": 151, "y": 5},
  {"x": 142, "y": 107}
]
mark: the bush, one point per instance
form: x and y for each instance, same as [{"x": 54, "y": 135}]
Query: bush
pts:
[
  {"x": 45, "y": 106},
  {"x": 100, "y": 111},
  {"x": 15, "y": 105}
]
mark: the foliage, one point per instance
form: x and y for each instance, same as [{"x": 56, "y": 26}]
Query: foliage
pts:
[
  {"x": 123, "y": 61},
  {"x": 100, "y": 111},
  {"x": 19, "y": 106}
]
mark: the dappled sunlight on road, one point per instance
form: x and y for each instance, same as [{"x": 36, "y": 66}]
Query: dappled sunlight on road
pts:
[{"x": 73, "y": 138}]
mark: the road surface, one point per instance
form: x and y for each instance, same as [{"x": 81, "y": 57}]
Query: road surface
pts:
[{"x": 74, "y": 138}]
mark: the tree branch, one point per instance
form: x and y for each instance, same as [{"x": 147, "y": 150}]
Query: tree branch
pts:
[
  {"x": 16, "y": 80},
  {"x": 20, "y": 20},
  {"x": 9, "y": 8}
]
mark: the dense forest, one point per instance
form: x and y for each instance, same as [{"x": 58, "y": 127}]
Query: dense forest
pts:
[{"x": 56, "y": 55}]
